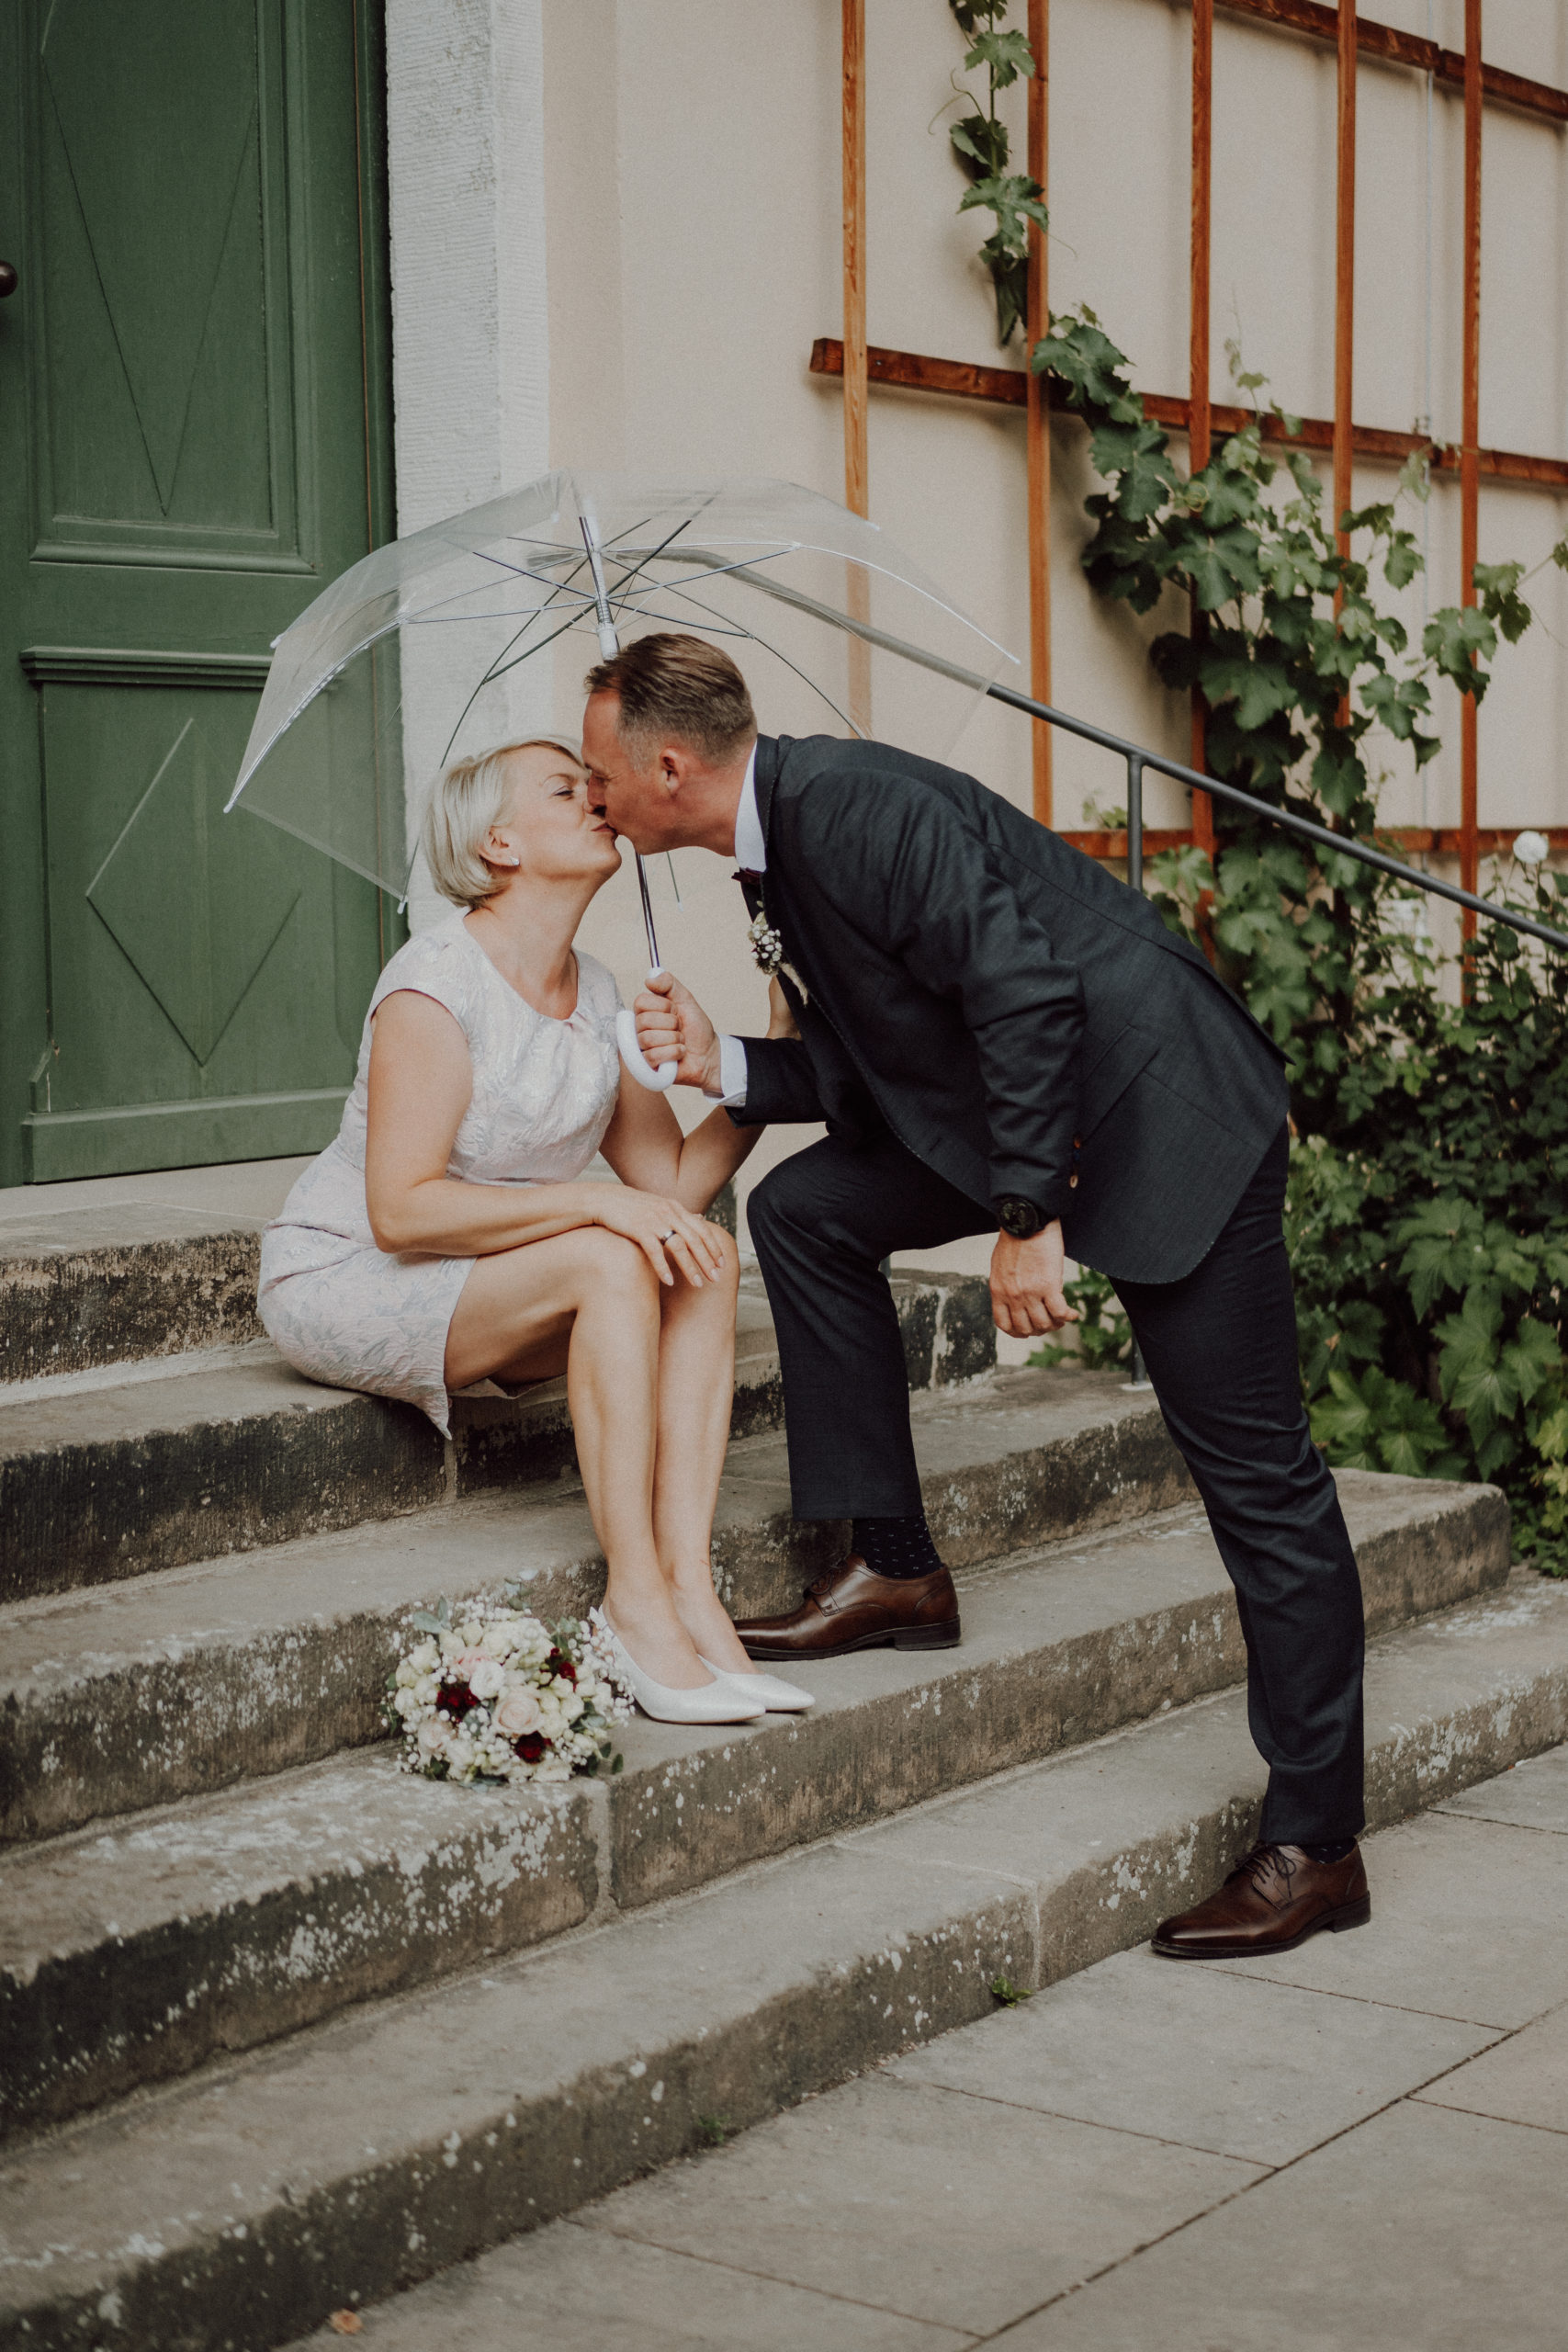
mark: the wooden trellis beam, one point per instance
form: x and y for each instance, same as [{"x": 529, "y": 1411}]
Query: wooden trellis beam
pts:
[
  {"x": 1446, "y": 65},
  {"x": 853, "y": 361},
  {"x": 1470, "y": 438},
  {"x": 1037, "y": 320},
  {"x": 1345, "y": 272},
  {"x": 914, "y": 371},
  {"x": 1200, "y": 408}
]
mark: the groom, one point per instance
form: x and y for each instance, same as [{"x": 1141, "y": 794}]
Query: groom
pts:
[{"x": 1001, "y": 1034}]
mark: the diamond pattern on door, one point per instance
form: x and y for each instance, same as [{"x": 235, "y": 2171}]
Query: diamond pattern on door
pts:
[
  {"x": 196, "y": 900},
  {"x": 157, "y": 205}
]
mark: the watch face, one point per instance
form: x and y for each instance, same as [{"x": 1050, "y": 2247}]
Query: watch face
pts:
[{"x": 1021, "y": 1219}]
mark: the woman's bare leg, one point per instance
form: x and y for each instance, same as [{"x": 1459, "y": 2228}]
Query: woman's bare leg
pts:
[
  {"x": 589, "y": 1300},
  {"x": 697, "y": 1386}
]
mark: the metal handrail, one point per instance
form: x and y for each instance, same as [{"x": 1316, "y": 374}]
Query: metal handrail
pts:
[{"x": 1138, "y": 759}]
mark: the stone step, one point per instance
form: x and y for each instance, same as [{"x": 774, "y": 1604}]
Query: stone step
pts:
[
  {"x": 241, "y": 2206},
  {"x": 118, "y": 1697},
  {"x": 131, "y": 1276},
  {"x": 85, "y": 1287},
  {"x": 226, "y": 1921},
  {"x": 232, "y": 1453}
]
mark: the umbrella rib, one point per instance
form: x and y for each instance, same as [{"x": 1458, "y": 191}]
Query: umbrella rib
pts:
[
  {"x": 717, "y": 570},
  {"x": 652, "y": 556},
  {"x": 741, "y": 630},
  {"x": 493, "y": 672}
]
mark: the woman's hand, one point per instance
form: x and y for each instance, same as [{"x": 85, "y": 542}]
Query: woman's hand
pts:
[{"x": 668, "y": 1235}]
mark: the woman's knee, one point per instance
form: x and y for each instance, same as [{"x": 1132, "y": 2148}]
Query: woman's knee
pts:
[{"x": 608, "y": 1262}]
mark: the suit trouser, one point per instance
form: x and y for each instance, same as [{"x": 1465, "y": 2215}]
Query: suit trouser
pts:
[{"x": 1220, "y": 1348}]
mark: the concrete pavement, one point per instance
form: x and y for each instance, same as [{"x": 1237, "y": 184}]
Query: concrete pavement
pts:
[{"x": 1363, "y": 2142}]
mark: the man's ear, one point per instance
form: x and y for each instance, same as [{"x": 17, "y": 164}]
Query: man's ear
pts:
[{"x": 676, "y": 768}]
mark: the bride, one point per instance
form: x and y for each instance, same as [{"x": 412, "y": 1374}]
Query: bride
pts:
[{"x": 445, "y": 1237}]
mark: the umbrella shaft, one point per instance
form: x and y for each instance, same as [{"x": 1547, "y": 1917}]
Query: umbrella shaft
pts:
[{"x": 653, "y": 962}]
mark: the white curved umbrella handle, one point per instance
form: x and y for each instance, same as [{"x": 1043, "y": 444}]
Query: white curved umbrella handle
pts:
[{"x": 658, "y": 1081}]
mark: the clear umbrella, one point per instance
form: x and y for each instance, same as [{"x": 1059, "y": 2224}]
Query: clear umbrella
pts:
[{"x": 478, "y": 630}]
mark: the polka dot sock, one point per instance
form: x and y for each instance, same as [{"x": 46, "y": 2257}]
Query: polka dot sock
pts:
[{"x": 897, "y": 1547}]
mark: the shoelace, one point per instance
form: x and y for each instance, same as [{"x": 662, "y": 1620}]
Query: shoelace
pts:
[{"x": 1262, "y": 1862}]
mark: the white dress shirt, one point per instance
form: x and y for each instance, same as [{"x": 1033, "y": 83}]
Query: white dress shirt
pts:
[{"x": 751, "y": 852}]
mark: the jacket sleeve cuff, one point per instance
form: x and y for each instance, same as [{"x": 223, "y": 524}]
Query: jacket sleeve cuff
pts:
[{"x": 1052, "y": 1195}]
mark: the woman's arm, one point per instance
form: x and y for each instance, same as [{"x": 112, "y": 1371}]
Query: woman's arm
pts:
[
  {"x": 644, "y": 1147},
  {"x": 421, "y": 1083}
]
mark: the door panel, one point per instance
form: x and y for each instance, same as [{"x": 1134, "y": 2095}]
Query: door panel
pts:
[
  {"x": 202, "y": 283},
  {"x": 162, "y": 372}
]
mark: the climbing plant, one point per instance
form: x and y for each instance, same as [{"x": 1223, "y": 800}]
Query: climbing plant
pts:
[
  {"x": 980, "y": 142},
  {"x": 1428, "y": 1200}
]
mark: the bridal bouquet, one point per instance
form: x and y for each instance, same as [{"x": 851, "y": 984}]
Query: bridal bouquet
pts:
[{"x": 496, "y": 1695}]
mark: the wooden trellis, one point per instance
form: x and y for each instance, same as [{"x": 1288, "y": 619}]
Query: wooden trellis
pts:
[{"x": 1195, "y": 412}]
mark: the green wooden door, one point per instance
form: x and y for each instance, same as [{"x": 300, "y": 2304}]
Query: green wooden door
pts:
[{"x": 193, "y": 413}]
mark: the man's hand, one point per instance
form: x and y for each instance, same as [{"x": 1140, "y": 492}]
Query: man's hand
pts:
[
  {"x": 1027, "y": 1299},
  {"x": 673, "y": 1026}
]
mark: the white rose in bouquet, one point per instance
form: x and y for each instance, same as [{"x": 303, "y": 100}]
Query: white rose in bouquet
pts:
[
  {"x": 509, "y": 1662},
  {"x": 519, "y": 1713}
]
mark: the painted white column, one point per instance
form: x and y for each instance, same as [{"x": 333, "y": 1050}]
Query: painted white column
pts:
[{"x": 470, "y": 342}]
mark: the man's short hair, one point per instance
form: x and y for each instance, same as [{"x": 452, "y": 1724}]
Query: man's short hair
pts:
[{"x": 681, "y": 688}]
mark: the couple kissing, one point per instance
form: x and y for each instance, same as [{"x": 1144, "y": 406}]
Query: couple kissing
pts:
[{"x": 999, "y": 1036}]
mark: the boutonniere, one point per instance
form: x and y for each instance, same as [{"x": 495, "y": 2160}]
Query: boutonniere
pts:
[{"x": 767, "y": 944}]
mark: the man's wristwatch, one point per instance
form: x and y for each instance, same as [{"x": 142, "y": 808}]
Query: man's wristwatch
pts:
[{"x": 1018, "y": 1216}]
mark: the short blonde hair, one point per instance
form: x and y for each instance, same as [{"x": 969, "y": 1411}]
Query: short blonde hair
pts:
[{"x": 464, "y": 806}]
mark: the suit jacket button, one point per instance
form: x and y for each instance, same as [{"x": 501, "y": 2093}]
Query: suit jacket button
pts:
[{"x": 1072, "y": 1183}]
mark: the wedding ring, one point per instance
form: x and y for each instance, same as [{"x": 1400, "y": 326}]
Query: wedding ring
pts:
[{"x": 668, "y": 1237}]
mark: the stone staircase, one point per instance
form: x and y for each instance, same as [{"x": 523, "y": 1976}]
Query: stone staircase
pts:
[{"x": 284, "y": 2029}]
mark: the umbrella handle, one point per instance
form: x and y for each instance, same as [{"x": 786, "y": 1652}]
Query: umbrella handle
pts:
[{"x": 658, "y": 1081}]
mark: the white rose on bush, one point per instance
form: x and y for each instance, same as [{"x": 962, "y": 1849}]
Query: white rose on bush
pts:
[{"x": 1531, "y": 848}]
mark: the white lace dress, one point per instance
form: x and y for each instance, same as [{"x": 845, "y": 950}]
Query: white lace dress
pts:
[{"x": 354, "y": 1316}]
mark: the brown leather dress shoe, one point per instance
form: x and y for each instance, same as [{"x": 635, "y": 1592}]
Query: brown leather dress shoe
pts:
[
  {"x": 853, "y": 1609},
  {"x": 1273, "y": 1900}
]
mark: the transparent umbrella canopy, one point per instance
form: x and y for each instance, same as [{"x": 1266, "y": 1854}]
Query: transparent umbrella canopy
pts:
[{"x": 479, "y": 629}]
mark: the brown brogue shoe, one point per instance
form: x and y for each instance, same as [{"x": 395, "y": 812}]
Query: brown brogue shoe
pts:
[
  {"x": 854, "y": 1609},
  {"x": 1273, "y": 1900}
]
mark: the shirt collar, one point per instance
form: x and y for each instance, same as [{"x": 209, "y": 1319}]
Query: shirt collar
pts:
[{"x": 750, "y": 841}]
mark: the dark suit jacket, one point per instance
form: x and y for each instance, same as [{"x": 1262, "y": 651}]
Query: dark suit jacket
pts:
[{"x": 967, "y": 980}]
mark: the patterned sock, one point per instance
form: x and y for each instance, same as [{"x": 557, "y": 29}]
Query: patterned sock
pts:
[
  {"x": 1335, "y": 1851},
  {"x": 897, "y": 1547}
]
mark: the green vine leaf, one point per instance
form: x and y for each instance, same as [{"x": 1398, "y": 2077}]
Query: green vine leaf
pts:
[{"x": 1007, "y": 57}]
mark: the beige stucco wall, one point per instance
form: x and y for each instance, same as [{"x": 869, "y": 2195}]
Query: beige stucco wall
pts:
[{"x": 690, "y": 199}]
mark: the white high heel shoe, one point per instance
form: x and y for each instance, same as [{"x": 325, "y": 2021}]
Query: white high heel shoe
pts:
[
  {"x": 779, "y": 1698},
  {"x": 719, "y": 1701}
]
